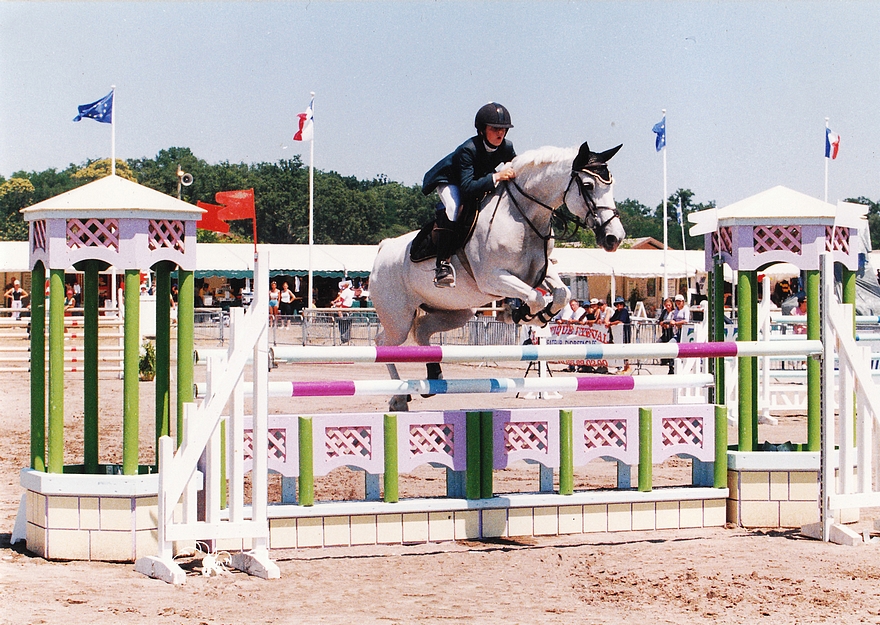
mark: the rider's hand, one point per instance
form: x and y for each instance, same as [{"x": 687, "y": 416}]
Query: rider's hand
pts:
[{"x": 504, "y": 174}]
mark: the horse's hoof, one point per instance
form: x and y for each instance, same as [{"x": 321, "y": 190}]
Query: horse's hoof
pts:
[
  {"x": 434, "y": 373},
  {"x": 399, "y": 403}
]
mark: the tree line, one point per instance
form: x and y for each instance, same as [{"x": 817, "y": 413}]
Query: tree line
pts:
[{"x": 346, "y": 211}]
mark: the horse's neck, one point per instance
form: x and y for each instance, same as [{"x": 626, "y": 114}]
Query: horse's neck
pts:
[{"x": 543, "y": 189}]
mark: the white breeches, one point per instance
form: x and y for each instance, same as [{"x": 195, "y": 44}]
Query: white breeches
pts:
[{"x": 451, "y": 201}]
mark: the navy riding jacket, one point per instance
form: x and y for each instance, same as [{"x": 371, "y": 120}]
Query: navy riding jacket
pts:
[{"x": 470, "y": 168}]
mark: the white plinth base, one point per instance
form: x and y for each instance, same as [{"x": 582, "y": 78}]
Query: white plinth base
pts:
[{"x": 160, "y": 568}]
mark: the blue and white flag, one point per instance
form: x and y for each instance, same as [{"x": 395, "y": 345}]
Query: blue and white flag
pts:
[
  {"x": 660, "y": 129},
  {"x": 100, "y": 111},
  {"x": 678, "y": 211}
]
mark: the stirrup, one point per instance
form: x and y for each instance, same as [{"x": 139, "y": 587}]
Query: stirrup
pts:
[{"x": 444, "y": 275}]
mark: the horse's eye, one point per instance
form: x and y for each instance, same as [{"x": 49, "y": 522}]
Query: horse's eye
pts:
[{"x": 589, "y": 185}]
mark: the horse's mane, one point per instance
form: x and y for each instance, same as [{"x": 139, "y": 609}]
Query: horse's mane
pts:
[{"x": 546, "y": 155}]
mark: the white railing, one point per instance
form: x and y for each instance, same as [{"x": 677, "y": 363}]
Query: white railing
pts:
[
  {"x": 179, "y": 475},
  {"x": 850, "y": 471}
]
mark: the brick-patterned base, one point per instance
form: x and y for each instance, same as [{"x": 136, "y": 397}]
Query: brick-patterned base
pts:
[
  {"x": 421, "y": 521},
  {"x": 773, "y": 489},
  {"x": 113, "y": 518},
  {"x": 109, "y": 518}
]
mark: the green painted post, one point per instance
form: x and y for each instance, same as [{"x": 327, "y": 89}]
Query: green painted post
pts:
[
  {"x": 814, "y": 367},
  {"x": 131, "y": 365},
  {"x": 487, "y": 448},
  {"x": 472, "y": 472},
  {"x": 566, "y": 455},
  {"x": 392, "y": 474},
  {"x": 718, "y": 393},
  {"x": 56, "y": 370},
  {"x": 163, "y": 353},
  {"x": 746, "y": 329},
  {"x": 646, "y": 456},
  {"x": 90, "y": 366},
  {"x": 720, "y": 477},
  {"x": 849, "y": 297},
  {"x": 306, "y": 463},
  {"x": 38, "y": 367},
  {"x": 185, "y": 340}
]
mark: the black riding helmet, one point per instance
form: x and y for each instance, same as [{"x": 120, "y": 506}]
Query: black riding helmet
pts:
[{"x": 492, "y": 114}]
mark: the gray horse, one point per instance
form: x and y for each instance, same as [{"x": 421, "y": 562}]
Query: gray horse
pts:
[{"x": 507, "y": 256}]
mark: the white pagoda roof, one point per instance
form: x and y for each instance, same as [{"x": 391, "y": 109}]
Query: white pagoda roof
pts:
[
  {"x": 112, "y": 196},
  {"x": 777, "y": 206}
]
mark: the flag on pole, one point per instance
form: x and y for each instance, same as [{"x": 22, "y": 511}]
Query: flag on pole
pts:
[
  {"x": 832, "y": 143},
  {"x": 660, "y": 130},
  {"x": 236, "y": 204},
  {"x": 305, "y": 132},
  {"x": 100, "y": 111},
  {"x": 210, "y": 220},
  {"x": 678, "y": 210}
]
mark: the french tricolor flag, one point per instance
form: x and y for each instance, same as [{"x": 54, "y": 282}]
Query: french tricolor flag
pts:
[
  {"x": 306, "y": 132},
  {"x": 832, "y": 143}
]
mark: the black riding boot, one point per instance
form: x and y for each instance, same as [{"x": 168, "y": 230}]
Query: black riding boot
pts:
[{"x": 443, "y": 237}]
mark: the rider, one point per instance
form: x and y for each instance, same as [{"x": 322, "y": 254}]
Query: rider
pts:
[{"x": 465, "y": 177}]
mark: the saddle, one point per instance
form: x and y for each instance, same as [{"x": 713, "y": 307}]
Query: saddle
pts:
[{"x": 422, "y": 247}]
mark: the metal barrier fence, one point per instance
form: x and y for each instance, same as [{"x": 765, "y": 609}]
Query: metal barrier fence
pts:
[
  {"x": 360, "y": 327},
  {"x": 211, "y": 325}
]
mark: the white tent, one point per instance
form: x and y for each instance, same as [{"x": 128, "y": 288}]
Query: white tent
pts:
[{"x": 237, "y": 260}]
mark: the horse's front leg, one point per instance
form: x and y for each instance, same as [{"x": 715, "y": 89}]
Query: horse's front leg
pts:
[
  {"x": 557, "y": 288},
  {"x": 536, "y": 309}
]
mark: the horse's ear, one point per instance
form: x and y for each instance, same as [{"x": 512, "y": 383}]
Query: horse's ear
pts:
[
  {"x": 583, "y": 158},
  {"x": 607, "y": 155}
]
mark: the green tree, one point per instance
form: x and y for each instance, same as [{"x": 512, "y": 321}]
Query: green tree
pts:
[
  {"x": 100, "y": 169},
  {"x": 685, "y": 197},
  {"x": 15, "y": 194}
]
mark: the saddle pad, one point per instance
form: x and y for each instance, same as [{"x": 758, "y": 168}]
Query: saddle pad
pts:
[{"x": 422, "y": 247}]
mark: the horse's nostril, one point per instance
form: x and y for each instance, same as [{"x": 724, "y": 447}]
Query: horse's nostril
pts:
[{"x": 611, "y": 242}]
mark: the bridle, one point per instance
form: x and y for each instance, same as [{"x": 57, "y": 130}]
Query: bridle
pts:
[{"x": 592, "y": 222}]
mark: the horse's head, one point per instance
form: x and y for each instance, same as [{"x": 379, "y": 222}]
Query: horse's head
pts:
[{"x": 589, "y": 171}]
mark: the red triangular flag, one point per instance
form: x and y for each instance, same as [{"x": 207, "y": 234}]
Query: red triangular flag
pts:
[
  {"x": 237, "y": 204},
  {"x": 210, "y": 220}
]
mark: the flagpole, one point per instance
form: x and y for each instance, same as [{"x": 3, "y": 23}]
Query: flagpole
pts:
[
  {"x": 687, "y": 271},
  {"x": 113, "y": 132},
  {"x": 826, "y": 161},
  {"x": 665, "y": 227},
  {"x": 311, "y": 207}
]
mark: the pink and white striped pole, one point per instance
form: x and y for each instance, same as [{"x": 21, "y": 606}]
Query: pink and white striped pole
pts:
[{"x": 521, "y": 353}]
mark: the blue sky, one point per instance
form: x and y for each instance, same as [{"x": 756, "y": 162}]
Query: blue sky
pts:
[{"x": 747, "y": 85}]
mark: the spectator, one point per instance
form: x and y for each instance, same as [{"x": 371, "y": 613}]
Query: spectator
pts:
[
  {"x": 345, "y": 299},
  {"x": 800, "y": 311},
  {"x": 286, "y": 304},
  {"x": 274, "y": 298},
  {"x": 15, "y": 297},
  {"x": 592, "y": 314},
  {"x": 576, "y": 312},
  {"x": 781, "y": 292},
  {"x": 680, "y": 316},
  {"x": 666, "y": 319},
  {"x": 620, "y": 317}
]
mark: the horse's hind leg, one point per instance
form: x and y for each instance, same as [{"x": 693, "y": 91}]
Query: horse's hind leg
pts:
[
  {"x": 432, "y": 323},
  {"x": 398, "y": 403}
]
